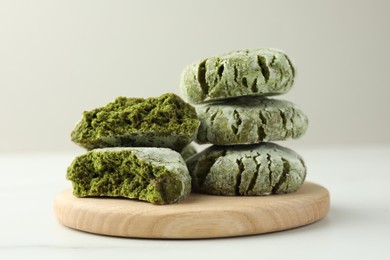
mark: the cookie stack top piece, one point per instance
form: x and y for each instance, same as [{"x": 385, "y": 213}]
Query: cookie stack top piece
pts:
[{"x": 238, "y": 73}]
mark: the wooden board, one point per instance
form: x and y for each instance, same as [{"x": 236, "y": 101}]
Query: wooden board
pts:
[{"x": 199, "y": 216}]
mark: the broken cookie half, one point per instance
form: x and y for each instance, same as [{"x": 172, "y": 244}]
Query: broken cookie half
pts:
[
  {"x": 156, "y": 175},
  {"x": 165, "y": 121}
]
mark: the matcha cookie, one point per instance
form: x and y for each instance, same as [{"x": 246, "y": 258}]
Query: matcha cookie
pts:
[
  {"x": 188, "y": 151},
  {"x": 156, "y": 175},
  {"x": 238, "y": 73},
  {"x": 249, "y": 120},
  {"x": 261, "y": 169},
  {"x": 165, "y": 121}
]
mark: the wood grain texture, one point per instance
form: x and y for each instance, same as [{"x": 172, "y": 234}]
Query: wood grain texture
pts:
[{"x": 199, "y": 216}]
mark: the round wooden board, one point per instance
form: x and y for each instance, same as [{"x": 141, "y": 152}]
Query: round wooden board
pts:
[{"x": 198, "y": 216}]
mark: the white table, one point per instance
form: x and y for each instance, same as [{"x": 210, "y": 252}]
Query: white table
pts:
[{"x": 357, "y": 226}]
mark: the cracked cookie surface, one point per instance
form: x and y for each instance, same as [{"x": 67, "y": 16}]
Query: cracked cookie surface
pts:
[
  {"x": 249, "y": 120},
  {"x": 165, "y": 121},
  {"x": 238, "y": 73},
  {"x": 262, "y": 169},
  {"x": 156, "y": 175}
]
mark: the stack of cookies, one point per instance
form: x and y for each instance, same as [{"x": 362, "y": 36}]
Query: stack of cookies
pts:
[
  {"x": 231, "y": 93},
  {"x": 134, "y": 147}
]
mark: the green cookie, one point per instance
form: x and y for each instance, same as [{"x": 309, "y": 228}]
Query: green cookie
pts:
[
  {"x": 249, "y": 120},
  {"x": 156, "y": 175},
  {"x": 238, "y": 73},
  {"x": 165, "y": 121},
  {"x": 261, "y": 169}
]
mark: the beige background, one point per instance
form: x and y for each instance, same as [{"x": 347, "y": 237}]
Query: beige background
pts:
[{"x": 58, "y": 58}]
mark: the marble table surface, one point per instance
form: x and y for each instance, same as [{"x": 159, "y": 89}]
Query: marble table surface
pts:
[{"x": 356, "y": 227}]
